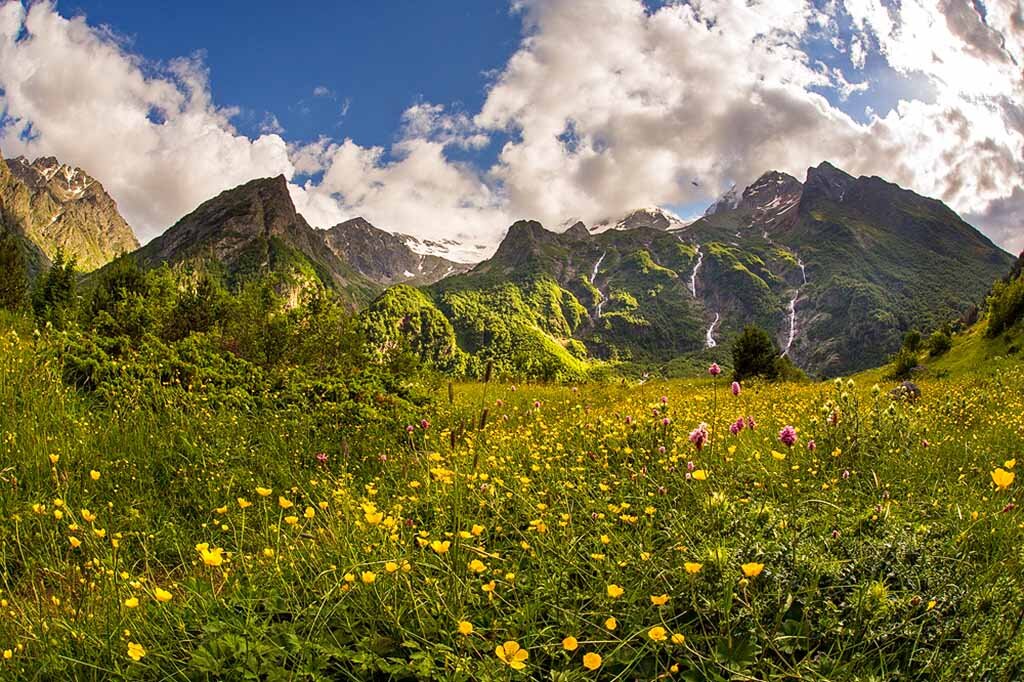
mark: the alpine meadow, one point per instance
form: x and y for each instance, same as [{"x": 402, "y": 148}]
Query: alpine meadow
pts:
[{"x": 683, "y": 341}]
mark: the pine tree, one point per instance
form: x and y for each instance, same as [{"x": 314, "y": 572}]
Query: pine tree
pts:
[
  {"x": 754, "y": 355},
  {"x": 13, "y": 274}
]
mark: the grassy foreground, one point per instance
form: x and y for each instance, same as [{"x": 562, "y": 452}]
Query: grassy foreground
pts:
[{"x": 580, "y": 534}]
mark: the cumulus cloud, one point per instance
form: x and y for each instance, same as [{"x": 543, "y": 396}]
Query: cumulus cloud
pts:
[
  {"x": 605, "y": 106},
  {"x": 150, "y": 133}
]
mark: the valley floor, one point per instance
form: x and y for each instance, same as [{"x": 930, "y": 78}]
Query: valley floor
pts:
[{"x": 515, "y": 532}]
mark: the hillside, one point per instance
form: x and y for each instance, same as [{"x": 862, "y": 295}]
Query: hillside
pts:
[{"x": 835, "y": 268}]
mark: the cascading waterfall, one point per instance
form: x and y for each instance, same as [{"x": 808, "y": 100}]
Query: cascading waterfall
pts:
[
  {"x": 792, "y": 308},
  {"x": 710, "y": 338},
  {"x": 693, "y": 275},
  {"x": 593, "y": 277}
]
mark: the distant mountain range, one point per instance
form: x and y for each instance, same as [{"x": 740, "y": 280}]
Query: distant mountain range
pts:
[{"x": 837, "y": 268}]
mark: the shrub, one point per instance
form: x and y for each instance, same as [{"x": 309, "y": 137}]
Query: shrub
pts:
[
  {"x": 754, "y": 355},
  {"x": 13, "y": 274},
  {"x": 939, "y": 343}
]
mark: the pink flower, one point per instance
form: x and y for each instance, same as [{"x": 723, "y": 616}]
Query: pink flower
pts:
[
  {"x": 714, "y": 370},
  {"x": 736, "y": 426},
  {"x": 410, "y": 428},
  {"x": 666, "y": 421},
  {"x": 787, "y": 436},
  {"x": 811, "y": 445},
  {"x": 735, "y": 388},
  {"x": 321, "y": 457},
  {"x": 699, "y": 436},
  {"x": 424, "y": 424},
  {"x": 629, "y": 420},
  {"x": 750, "y": 423},
  {"x": 664, "y": 400},
  {"x": 536, "y": 404}
]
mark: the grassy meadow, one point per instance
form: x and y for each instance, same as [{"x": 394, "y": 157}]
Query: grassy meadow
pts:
[{"x": 514, "y": 532}]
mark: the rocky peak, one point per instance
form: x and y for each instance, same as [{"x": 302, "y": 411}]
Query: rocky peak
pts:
[
  {"x": 577, "y": 231},
  {"x": 727, "y": 202},
  {"x": 827, "y": 181},
  {"x": 770, "y": 191},
  {"x": 71, "y": 210}
]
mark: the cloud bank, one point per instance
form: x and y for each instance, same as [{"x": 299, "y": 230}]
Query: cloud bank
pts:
[{"x": 606, "y": 105}]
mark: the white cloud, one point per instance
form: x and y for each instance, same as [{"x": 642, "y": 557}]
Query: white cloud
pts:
[
  {"x": 156, "y": 142},
  {"x": 270, "y": 125},
  {"x": 604, "y": 107}
]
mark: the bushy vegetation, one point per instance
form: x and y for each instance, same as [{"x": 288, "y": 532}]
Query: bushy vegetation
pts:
[{"x": 1005, "y": 305}]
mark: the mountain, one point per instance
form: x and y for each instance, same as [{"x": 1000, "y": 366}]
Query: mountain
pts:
[
  {"x": 69, "y": 209},
  {"x": 652, "y": 217},
  {"x": 15, "y": 219},
  {"x": 254, "y": 230},
  {"x": 387, "y": 258},
  {"x": 837, "y": 268}
]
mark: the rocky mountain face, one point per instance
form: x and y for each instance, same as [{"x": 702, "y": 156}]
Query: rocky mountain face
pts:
[
  {"x": 837, "y": 268},
  {"x": 652, "y": 217},
  {"x": 254, "y": 230},
  {"x": 68, "y": 209},
  {"x": 387, "y": 258},
  {"x": 16, "y": 216}
]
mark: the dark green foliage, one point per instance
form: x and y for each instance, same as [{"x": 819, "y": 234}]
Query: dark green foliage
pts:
[
  {"x": 912, "y": 340},
  {"x": 1005, "y": 305},
  {"x": 939, "y": 343},
  {"x": 754, "y": 355},
  {"x": 904, "y": 363},
  {"x": 13, "y": 274},
  {"x": 404, "y": 320},
  {"x": 53, "y": 299}
]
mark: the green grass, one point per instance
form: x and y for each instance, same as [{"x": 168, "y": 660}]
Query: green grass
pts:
[{"x": 887, "y": 552}]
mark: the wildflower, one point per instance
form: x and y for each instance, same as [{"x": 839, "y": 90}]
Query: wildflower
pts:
[
  {"x": 75, "y": 542},
  {"x": 263, "y": 492},
  {"x": 735, "y": 388},
  {"x": 162, "y": 595},
  {"x": 659, "y": 600},
  {"x": 284, "y": 502},
  {"x": 291, "y": 520},
  {"x": 699, "y": 436},
  {"x": 244, "y": 503},
  {"x": 131, "y": 602},
  {"x": 692, "y": 567},
  {"x": 657, "y": 633},
  {"x": 678, "y": 638},
  {"x": 714, "y": 370},
  {"x": 614, "y": 591},
  {"x": 309, "y": 513},
  {"x": 700, "y": 475},
  {"x": 391, "y": 567},
  {"x": 94, "y": 475},
  {"x": 736, "y": 426},
  {"x": 8, "y": 654},
  {"x": 787, "y": 436},
  {"x": 1010, "y": 463},
  {"x": 54, "y": 459},
  {"x": 751, "y": 424},
  {"x": 268, "y": 552},
  {"x": 512, "y": 655},
  {"x": 321, "y": 457},
  {"x": 135, "y": 651},
  {"x": 752, "y": 570},
  {"x": 477, "y": 566},
  {"x": 1003, "y": 478},
  {"x": 440, "y": 547},
  {"x": 811, "y": 445},
  {"x": 368, "y": 577},
  {"x": 211, "y": 557},
  {"x": 424, "y": 424},
  {"x": 591, "y": 661},
  {"x": 465, "y": 627},
  {"x": 570, "y": 643},
  {"x": 610, "y": 623}
]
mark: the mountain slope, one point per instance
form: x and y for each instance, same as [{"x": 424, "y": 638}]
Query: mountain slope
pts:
[
  {"x": 68, "y": 209},
  {"x": 254, "y": 230},
  {"x": 384, "y": 257},
  {"x": 16, "y": 218},
  {"x": 836, "y": 268}
]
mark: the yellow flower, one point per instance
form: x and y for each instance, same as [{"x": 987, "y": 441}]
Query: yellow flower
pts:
[
  {"x": 268, "y": 552},
  {"x": 692, "y": 567},
  {"x": 1003, "y": 478},
  {"x": 99, "y": 532},
  {"x": 211, "y": 557},
  {"x": 700, "y": 475},
  {"x": 291, "y": 520},
  {"x": 659, "y": 600},
  {"x": 135, "y": 651},
  {"x": 1010, "y": 463},
  {"x": 391, "y": 567},
  {"x": 309, "y": 513},
  {"x": 614, "y": 591},
  {"x": 678, "y": 638},
  {"x": 611, "y": 623},
  {"x": 476, "y": 530},
  {"x": 465, "y": 627},
  {"x": 657, "y": 633},
  {"x": 131, "y": 602},
  {"x": 54, "y": 459},
  {"x": 244, "y": 503},
  {"x": 477, "y": 566},
  {"x": 368, "y": 577},
  {"x": 8, "y": 654},
  {"x": 591, "y": 661},
  {"x": 512, "y": 655},
  {"x": 162, "y": 595},
  {"x": 778, "y": 455},
  {"x": 88, "y": 516},
  {"x": 570, "y": 643},
  {"x": 440, "y": 547},
  {"x": 284, "y": 502},
  {"x": 75, "y": 542},
  {"x": 263, "y": 492},
  {"x": 94, "y": 475},
  {"x": 752, "y": 570}
]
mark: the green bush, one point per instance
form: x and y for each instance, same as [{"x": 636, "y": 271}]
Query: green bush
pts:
[
  {"x": 939, "y": 343},
  {"x": 754, "y": 355}
]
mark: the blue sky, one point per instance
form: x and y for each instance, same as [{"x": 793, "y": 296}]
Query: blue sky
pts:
[
  {"x": 378, "y": 57},
  {"x": 445, "y": 120}
]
